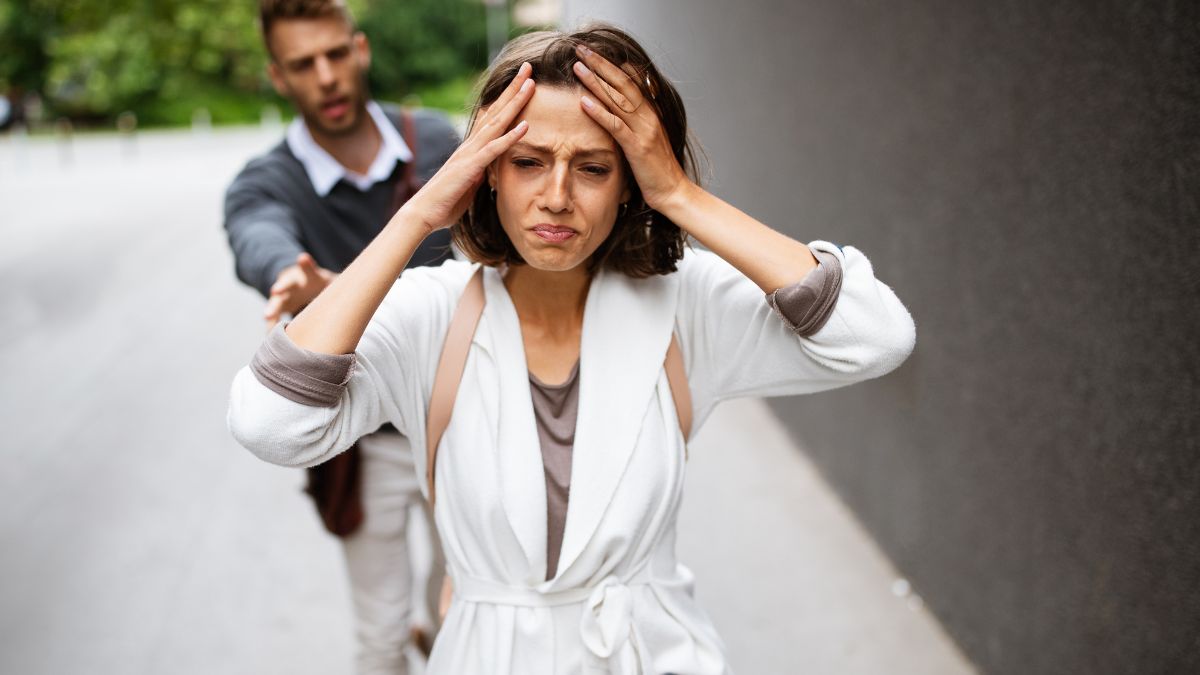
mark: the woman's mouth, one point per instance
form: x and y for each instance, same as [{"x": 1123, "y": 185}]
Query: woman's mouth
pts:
[{"x": 553, "y": 233}]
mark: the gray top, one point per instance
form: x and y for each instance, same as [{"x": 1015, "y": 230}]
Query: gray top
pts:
[
  {"x": 317, "y": 379},
  {"x": 555, "y": 408}
]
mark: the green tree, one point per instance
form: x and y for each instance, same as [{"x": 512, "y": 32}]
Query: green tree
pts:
[
  {"x": 25, "y": 28},
  {"x": 133, "y": 54},
  {"x": 164, "y": 58},
  {"x": 418, "y": 44}
]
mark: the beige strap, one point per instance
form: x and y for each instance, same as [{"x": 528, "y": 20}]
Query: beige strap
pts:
[
  {"x": 450, "y": 370},
  {"x": 677, "y": 379},
  {"x": 454, "y": 360}
]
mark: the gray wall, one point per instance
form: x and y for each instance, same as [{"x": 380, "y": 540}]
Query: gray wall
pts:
[{"x": 1026, "y": 175}]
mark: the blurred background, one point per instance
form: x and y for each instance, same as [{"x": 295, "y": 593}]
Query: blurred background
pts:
[
  {"x": 1022, "y": 496},
  {"x": 171, "y": 62}
]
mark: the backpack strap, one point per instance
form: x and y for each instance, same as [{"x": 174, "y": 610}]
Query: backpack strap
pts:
[
  {"x": 450, "y": 370},
  {"x": 454, "y": 360}
]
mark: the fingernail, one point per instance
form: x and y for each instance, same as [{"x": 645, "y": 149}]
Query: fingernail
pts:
[
  {"x": 583, "y": 50},
  {"x": 526, "y": 85},
  {"x": 581, "y": 69},
  {"x": 588, "y": 103}
]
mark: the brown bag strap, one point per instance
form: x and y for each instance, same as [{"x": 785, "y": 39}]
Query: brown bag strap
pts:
[
  {"x": 454, "y": 360},
  {"x": 450, "y": 370}
]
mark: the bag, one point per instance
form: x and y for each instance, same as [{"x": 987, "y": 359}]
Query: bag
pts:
[{"x": 336, "y": 489}]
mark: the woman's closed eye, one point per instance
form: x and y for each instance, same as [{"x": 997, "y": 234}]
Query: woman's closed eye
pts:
[
  {"x": 589, "y": 169},
  {"x": 596, "y": 169}
]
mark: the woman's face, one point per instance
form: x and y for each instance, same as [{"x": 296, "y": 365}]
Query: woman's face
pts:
[{"x": 559, "y": 189}]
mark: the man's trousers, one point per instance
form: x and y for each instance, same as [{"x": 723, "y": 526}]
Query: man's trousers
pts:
[{"x": 379, "y": 559}]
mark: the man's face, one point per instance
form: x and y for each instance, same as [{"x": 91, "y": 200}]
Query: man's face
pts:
[{"x": 320, "y": 65}]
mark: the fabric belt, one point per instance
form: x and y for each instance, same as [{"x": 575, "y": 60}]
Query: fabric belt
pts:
[{"x": 606, "y": 626}]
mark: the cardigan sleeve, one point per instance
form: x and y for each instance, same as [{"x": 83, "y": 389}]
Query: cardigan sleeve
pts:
[
  {"x": 735, "y": 344},
  {"x": 294, "y": 407},
  {"x": 806, "y": 305}
]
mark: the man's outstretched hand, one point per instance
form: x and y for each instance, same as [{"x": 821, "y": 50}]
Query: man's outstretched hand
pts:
[{"x": 295, "y": 287}]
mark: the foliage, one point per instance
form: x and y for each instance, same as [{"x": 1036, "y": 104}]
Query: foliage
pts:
[
  {"x": 163, "y": 59},
  {"x": 419, "y": 43},
  {"x": 453, "y": 96}
]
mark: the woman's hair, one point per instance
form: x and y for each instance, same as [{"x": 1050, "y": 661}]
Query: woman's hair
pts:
[{"x": 643, "y": 242}]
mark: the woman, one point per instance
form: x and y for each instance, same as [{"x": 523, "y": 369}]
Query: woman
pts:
[{"x": 557, "y": 502}]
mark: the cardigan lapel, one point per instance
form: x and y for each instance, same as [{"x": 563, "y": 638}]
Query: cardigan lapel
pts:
[
  {"x": 522, "y": 481},
  {"x": 627, "y": 325}
]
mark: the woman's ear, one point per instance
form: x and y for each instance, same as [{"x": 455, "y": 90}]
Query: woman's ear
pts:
[{"x": 491, "y": 175}]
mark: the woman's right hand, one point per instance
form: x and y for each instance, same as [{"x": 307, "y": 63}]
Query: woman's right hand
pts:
[
  {"x": 448, "y": 194},
  {"x": 334, "y": 321}
]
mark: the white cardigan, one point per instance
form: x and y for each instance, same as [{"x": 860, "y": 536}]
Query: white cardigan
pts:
[{"x": 620, "y": 602}]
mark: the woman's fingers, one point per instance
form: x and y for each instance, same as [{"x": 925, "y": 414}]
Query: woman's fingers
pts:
[
  {"x": 513, "y": 87},
  {"x": 607, "y": 120},
  {"x": 601, "y": 89},
  {"x": 505, "y": 115},
  {"x": 501, "y": 112},
  {"x": 499, "y": 146},
  {"x": 607, "y": 81}
]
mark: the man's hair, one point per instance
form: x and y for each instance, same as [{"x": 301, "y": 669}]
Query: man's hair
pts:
[
  {"x": 270, "y": 11},
  {"x": 643, "y": 242}
]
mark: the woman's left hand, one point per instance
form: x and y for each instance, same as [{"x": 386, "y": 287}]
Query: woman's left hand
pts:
[{"x": 624, "y": 112}]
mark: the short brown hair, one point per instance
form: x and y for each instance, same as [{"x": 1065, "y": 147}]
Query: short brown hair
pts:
[
  {"x": 270, "y": 11},
  {"x": 643, "y": 242}
]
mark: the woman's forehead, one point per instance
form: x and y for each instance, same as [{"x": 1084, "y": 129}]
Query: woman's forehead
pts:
[{"x": 556, "y": 120}]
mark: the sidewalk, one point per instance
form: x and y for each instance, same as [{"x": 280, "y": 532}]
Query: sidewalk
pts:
[{"x": 139, "y": 539}]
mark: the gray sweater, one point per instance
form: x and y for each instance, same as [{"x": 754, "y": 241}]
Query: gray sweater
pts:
[{"x": 272, "y": 212}]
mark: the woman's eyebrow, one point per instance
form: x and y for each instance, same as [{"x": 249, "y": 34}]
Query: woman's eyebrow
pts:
[{"x": 524, "y": 146}]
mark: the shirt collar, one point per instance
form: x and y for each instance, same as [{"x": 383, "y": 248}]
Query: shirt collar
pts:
[{"x": 324, "y": 171}]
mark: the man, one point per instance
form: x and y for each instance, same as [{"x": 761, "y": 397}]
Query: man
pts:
[{"x": 296, "y": 217}]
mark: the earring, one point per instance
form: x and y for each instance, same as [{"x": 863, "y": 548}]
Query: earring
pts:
[
  {"x": 650, "y": 219},
  {"x": 624, "y": 208},
  {"x": 493, "y": 194}
]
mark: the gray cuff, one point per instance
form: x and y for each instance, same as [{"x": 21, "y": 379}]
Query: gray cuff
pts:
[
  {"x": 300, "y": 375},
  {"x": 806, "y": 305}
]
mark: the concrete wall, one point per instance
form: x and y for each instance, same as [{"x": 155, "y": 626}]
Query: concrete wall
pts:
[{"x": 1026, "y": 175}]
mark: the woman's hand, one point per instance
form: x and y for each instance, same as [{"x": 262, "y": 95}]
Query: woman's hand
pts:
[
  {"x": 768, "y": 258},
  {"x": 334, "y": 321},
  {"x": 448, "y": 194},
  {"x": 632, "y": 121}
]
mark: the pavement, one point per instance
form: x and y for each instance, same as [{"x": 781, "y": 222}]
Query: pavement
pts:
[{"x": 138, "y": 538}]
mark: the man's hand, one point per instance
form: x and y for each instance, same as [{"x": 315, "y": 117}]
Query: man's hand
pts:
[{"x": 295, "y": 287}]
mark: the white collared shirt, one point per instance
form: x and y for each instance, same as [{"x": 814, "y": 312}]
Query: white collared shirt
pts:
[{"x": 324, "y": 171}]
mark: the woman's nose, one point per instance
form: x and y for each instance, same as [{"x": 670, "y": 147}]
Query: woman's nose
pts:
[{"x": 557, "y": 195}]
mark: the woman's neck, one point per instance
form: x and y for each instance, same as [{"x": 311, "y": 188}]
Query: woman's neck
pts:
[{"x": 553, "y": 301}]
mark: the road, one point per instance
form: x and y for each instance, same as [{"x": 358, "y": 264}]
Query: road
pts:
[{"x": 138, "y": 538}]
